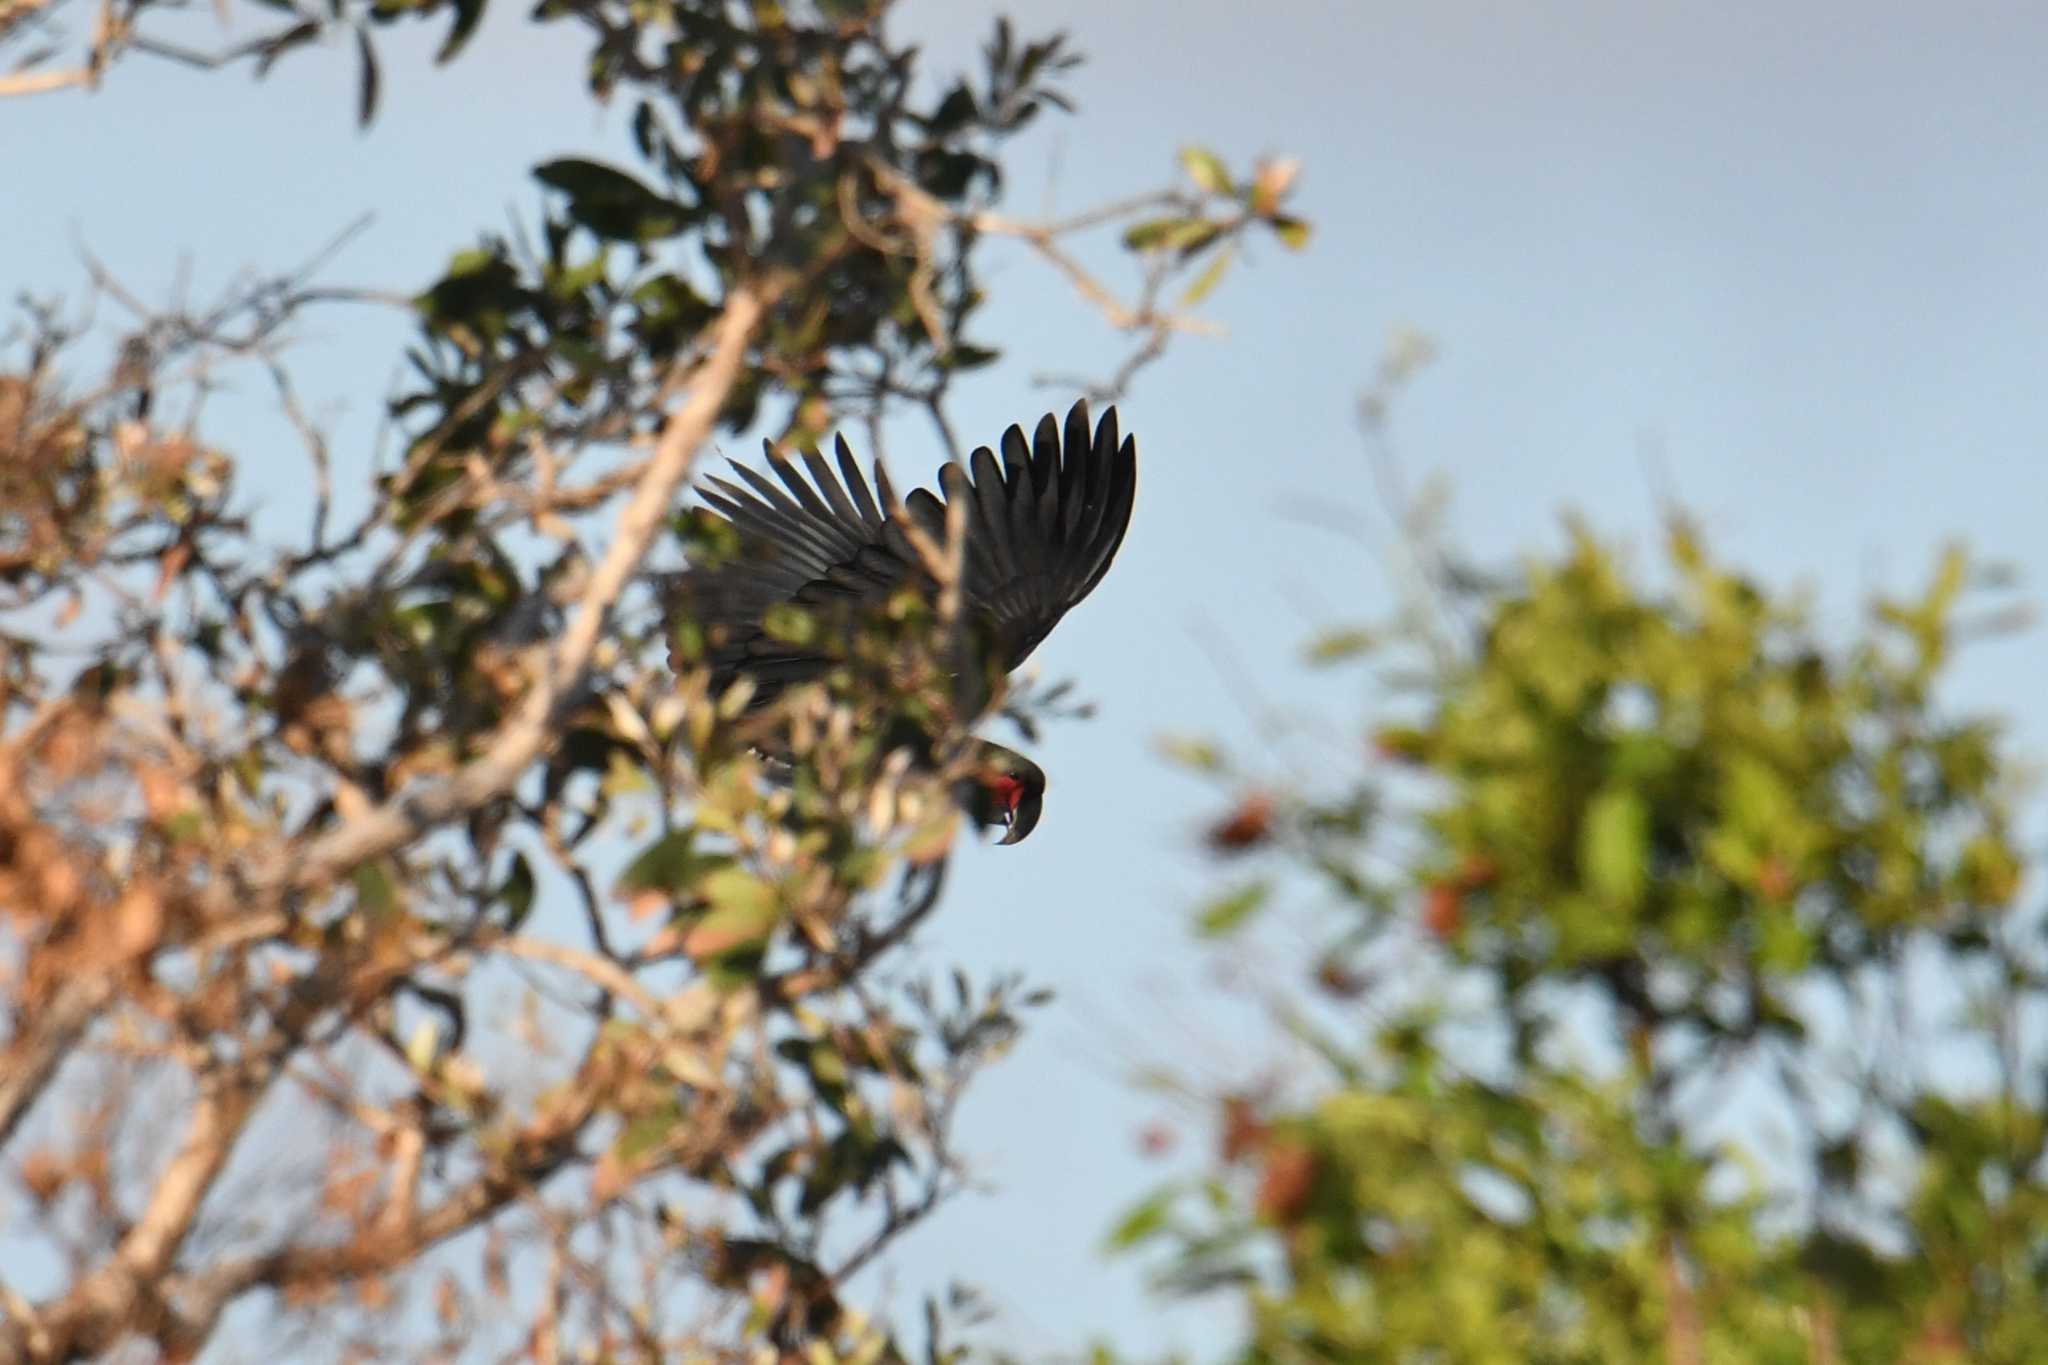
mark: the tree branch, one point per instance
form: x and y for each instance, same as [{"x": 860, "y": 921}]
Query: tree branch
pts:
[
  {"x": 540, "y": 1150},
  {"x": 120, "y": 1294},
  {"x": 41, "y": 1044},
  {"x": 43, "y": 82},
  {"x": 412, "y": 813}
]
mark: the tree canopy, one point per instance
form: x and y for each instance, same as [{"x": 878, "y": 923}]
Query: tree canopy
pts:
[{"x": 1676, "y": 998}]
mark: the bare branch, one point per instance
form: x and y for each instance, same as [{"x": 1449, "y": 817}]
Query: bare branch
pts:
[
  {"x": 106, "y": 1305},
  {"x": 539, "y": 1150},
  {"x": 522, "y": 739},
  {"x": 1045, "y": 242},
  {"x": 44, "y": 82},
  {"x": 40, "y": 1045}
]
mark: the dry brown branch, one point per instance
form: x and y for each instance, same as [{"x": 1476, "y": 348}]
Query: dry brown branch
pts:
[
  {"x": 921, "y": 215},
  {"x": 1682, "y": 1330},
  {"x": 44, "y": 82},
  {"x": 107, "y": 1304},
  {"x": 1820, "y": 1334},
  {"x": 412, "y": 813},
  {"x": 122, "y": 1295},
  {"x": 1142, "y": 317},
  {"x": 546, "y": 1144},
  {"x": 684, "y": 1015},
  {"x": 40, "y": 1045}
]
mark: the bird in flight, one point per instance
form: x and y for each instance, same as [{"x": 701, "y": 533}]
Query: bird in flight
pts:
[{"x": 1041, "y": 520}]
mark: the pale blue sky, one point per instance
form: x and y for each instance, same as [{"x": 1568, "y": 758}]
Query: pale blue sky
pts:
[{"x": 1797, "y": 263}]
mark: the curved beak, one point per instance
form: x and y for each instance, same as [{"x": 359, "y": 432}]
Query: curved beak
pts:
[
  {"x": 1022, "y": 817},
  {"x": 1005, "y": 790}
]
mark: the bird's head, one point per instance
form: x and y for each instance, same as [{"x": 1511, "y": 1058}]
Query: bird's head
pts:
[{"x": 1003, "y": 790}]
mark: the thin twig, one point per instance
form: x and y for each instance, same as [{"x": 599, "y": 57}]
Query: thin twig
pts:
[
  {"x": 43, "y": 82},
  {"x": 397, "y": 822}
]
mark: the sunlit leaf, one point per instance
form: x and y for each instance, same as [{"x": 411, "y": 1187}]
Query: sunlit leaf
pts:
[
  {"x": 1198, "y": 754},
  {"x": 1211, "y": 276},
  {"x": 1206, "y": 169},
  {"x": 1141, "y": 1221},
  {"x": 1231, "y": 912},
  {"x": 744, "y": 912},
  {"x": 1292, "y": 232},
  {"x": 1614, "y": 851}
]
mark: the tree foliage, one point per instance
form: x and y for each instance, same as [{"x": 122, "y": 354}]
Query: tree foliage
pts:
[
  {"x": 1677, "y": 1000},
  {"x": 327, "y": 1011}
]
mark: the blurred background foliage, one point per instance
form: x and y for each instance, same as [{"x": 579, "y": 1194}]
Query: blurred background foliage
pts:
[{"x": 1672, "y": 996}]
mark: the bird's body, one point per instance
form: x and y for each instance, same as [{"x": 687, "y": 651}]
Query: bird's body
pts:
[{"x": 1041, "y": 522}]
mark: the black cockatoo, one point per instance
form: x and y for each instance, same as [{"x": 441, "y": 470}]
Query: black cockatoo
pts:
[{"x": 1043, "y": 519}]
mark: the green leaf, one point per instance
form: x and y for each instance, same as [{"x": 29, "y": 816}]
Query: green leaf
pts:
[
  {"x": 1198, "y": 754},
  {"x": 1987, "y": 871},
  {"x": 966, "y": 357},
  {"x": 375, "y": 892},
  {"x": 468, "y": 14},
  {"x": 367, "y": 84},
  {"x": 422, "y": 1045},
  {"x": 1141, "y": 1222},
  {"x": 472, "y": 260},
  {"x": 670, "y": 865},
  {"x": 1334, "y": 646},
  {"x": 1191, "y": 235},
  {"x": 1292, "y": 232},
  {"x": 1614, "y": 847},
  {"x": 933, "y": 836},
  {"x": 517, "y": 892},
  {"x": 1211, "y": 276},
  {"x": 1589, "y": 929},
  {"x": 744, "y": 912},
  {"x": 955, "y": 111},
  {"x": 1227, "y": 913},
  {"x": 647, "y": 1131},
  {"x": 611, "y": 203},
  {"x": 1783, "y": 943},
  {"x": 276, "y": 45},
  {"x": 1153, "y": 232},
  {"x": 1206, "y": 169},
  {"x": 790, "y": 624},
  {"x": 1403, "y": 743},
  {"x": 827, "y": 1066},
  {"x": 655, "y": 867}
]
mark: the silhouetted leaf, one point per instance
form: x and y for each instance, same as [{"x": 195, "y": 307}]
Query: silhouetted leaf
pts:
[
  {"x": 1292, "y": 232},
  {"x": 366, "y": 80},
  {"x": 468, "y": 14},
  {"x": 612, "y": 203},
  {"x": 517, "y": 892}
]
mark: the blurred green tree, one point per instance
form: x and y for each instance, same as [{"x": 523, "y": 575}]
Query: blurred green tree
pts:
[{"x": 1676, "y": 999}]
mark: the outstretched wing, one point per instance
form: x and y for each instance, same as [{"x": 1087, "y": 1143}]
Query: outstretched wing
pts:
[
  {"x": 1044, "y": 524},
  {"x": 1041, "y": 528}
]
